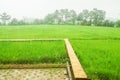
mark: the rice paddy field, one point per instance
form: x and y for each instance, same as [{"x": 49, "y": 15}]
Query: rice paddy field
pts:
[
  {"x": 59, "y": 31},
  {"x": 98, "y": 48},
  {"x": 100, "y": 58},
  {"x": 32, "y": 52}
]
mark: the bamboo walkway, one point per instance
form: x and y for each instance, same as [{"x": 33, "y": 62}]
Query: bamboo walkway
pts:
[{"x": 79, "y": 73}]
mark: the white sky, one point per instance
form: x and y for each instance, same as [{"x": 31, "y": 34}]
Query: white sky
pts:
[{"x": 39, "y": 8}]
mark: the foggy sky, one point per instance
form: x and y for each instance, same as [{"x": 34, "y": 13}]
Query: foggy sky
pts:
[{"x": 39, "y": 8}]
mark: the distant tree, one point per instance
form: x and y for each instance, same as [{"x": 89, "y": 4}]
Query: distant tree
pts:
[
  {"x": 38, "y": 21},
  {"x": 97, "y": 16},
  {"x": 83, "y": 17},
  {"x": 80, "y": 18},
  {"x": 86, "y": 17},
  {"x": 5, "y": 17},
  {"x": 108, "y": 23},
  {"x": 49, "y": 19},
  {"x": 117, "y": 24},
  {"x": 57, "y": 17},
  {"x": 14, "y": 21},
  {"x": 73, "y": 16},
  {"x": 22, "y": 22},
  {"x": 64, "y": 16},
  {"x": 67, "y": 16}
]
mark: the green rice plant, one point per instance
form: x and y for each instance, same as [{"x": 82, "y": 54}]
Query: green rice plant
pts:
[
  {"x": 32, "y": 52},
  {"x": 100, "y": 58}
]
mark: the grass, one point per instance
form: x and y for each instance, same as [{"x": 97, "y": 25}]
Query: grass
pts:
[
  {"x": 59, "y": 31},
  {"x": 98, "y": 48},
  {"x": 100, "y": 58},
  {"x": 32, "y": 52}
]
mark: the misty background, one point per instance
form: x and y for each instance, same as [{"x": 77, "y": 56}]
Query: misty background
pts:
[
  {"x": 40, "y": 8},
  {"x": 63, "y": 12}
]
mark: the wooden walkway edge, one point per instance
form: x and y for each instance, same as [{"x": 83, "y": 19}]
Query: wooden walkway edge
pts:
[{"x": 79, "y": 73}]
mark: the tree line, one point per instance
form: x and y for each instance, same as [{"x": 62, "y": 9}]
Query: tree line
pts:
[{"x": 93, "y": 17}]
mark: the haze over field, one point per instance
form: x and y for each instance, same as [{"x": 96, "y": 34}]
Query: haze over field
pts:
[{"x": 40, "y": 8}]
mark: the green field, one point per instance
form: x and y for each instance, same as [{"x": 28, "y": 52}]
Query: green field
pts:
[
  {"x": 98, "y": 48},
  {"x": 32, "y": 52},
  {"x": 100, "y": 58},
  {"x": 59, "y": 31}
]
